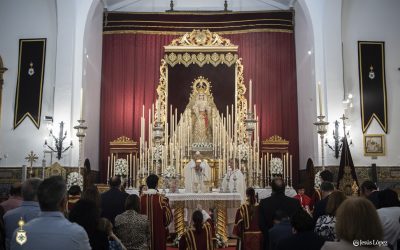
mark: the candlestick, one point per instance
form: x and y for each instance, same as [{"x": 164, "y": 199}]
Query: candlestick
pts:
[
  {"x": 320, "y": 99},
  {"x": 81, "y": 112},
  {"x": 291, "y": 169},
  {"x": 108, "y": 168},
  {"x": 250, "y": 96}
]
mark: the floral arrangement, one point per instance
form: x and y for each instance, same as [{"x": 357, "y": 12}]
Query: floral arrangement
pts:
[
  {"x": 317, "y": 180},
  {"x": 121, "y": 167},
  {"x": 169, "y": 172},
  {"x": 74, "y": 178},
  {"x": 276, "y": 166}
]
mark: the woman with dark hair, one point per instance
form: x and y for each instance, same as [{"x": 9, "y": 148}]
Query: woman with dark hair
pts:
[
  {"x": 325, "y": 226},
  {"x": 309, "y": 186},
  {"x": 132, "y": 228},
  {"x": 92, "y": 194},
  {"x": 247, "y": 223},
  {"x": 199, "y": 237},
  {"x": 87, "y": 180},
  {"x": 86, "y": 214},
  {"x": 389, "y": 215}
]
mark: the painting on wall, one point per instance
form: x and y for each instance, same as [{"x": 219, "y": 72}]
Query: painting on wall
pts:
[{"x": 374, "y": 145}]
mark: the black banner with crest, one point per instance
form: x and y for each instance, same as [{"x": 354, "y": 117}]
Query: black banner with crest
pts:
[
  {"x": 371, "y": 64},
  {"x": 28, "y": 97}
]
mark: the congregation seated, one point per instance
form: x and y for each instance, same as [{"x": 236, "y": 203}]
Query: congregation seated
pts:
[
  {"x": 246, "y": 223},
  {"x": 131, "y": 227},
  {"x": 303, "y": 237},
  {"x": 86, "y": 214},
  {"x": 51, "y": 230},
  {"x": 357, "y": 222},
  {"x": 389, "y": 215},
  {"x": 28, "y": 210},
  {"x": 113, "y": 200},
  {"x": 15, "y": 198},
  {"x": 325, "y": 226},
  {"x": 200, "y": 237}
]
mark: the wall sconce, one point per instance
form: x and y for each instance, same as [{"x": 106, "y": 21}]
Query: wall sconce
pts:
[
  {"x": 338, "y": 141},
  {"x": 59, "y": 148}
]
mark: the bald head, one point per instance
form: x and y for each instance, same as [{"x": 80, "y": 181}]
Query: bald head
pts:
[{"x": 115, "y": 182}]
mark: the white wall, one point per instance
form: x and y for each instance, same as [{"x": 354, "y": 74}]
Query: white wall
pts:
[
  {"x": 25, "y": 19},
  {"x": 304, "y": 39},
  {"x": 63, "y": 24},
  {"x": 91, "y": 81},
  {"x": 369, "y": 20}
]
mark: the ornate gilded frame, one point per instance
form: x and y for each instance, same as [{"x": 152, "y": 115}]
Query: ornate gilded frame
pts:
[
  {"x": 371, "y": 150},
  {"x": 202, "y": 47}
]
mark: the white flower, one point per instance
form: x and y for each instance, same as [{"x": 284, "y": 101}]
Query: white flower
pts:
[
  {"x": 121, "y": 167},
  {"x": 317, "y": 180},
  {"x": 276, "y": 166},
  {"x": 243, "y": 151},
  {"x": 169, "y": 172},
  {"x": 74, "y": 178}
]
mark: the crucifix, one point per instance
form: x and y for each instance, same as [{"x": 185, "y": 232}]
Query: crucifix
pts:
[{"x": 31, "y": 158}]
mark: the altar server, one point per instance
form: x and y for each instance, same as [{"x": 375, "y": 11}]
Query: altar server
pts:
[
  {"x": 200, "y": 237},
  {"x": 157, "y": 209}
]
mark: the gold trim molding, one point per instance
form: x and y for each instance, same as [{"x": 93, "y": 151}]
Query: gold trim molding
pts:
[
  {"x": 213, "y": 51},
  {"x": 200, "y": 59},
  {"x": 275, "y": 139},
  {"x": 200, "y": 40},
  {"x": 123, "y": 140}
]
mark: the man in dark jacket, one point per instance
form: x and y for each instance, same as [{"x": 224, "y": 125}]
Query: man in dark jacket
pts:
[
  {"x": 277, "y": 201},
  {"x": 113, "y": 201},
  {"x": 303, "y": 237}
]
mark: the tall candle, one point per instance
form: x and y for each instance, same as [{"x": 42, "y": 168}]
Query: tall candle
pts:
[
  {"x": 250, "y": 96},
  {"x": 108, "y": 168},
  {"x": 291, "y": 169},
  {"x": 81, "y": 114},
  {"x": 319, "y": 98}
]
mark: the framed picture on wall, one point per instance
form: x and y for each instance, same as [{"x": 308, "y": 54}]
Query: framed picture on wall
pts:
[{"x": 374, "y": 145}]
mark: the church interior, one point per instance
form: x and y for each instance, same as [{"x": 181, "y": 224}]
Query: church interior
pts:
[{"x": 238, "y": 109}]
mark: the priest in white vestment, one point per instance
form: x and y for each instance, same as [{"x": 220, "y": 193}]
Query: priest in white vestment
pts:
[
  {"x": 228, "y": 183},
  {"x": 197, "y": 172}
]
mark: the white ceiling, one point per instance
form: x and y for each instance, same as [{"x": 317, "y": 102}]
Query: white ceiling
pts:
[{"x": 195, "y": 5}]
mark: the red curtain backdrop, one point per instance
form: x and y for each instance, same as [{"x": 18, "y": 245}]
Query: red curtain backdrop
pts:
[{"x": 131, "y": 64}]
